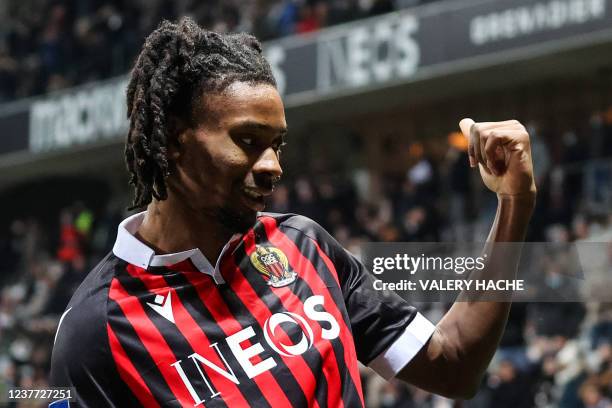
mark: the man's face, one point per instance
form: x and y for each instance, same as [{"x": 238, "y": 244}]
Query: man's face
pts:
[{"x": 227, "y": 164}]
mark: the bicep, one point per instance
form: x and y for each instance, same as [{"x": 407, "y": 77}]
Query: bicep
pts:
[
  {"x": 426, "y": 369},
  {"x": 434, "y": 368}
]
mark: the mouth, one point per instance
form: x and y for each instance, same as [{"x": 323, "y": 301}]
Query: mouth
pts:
[{"x": 254, "y": 199}]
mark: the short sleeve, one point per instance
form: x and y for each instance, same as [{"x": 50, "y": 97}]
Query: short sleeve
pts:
[{"x": 388, "y": 332}]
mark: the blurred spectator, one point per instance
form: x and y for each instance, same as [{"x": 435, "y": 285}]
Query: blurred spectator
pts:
[
  {"x": 458, "y": 177},
  {"x": 313, "y": 16},
  {"x": 48, "y": 45},
  {"x": 592, "y": 395},
  {"x": 342, "y": 11},
  {"x": 511, "y": 388},
  {"x": 70, "y": 238}
]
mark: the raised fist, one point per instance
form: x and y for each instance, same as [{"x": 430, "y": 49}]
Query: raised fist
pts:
[{"x": 502, "y": 152}]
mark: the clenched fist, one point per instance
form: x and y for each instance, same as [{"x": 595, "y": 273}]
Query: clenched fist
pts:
[{"x": 503, "y": 154}]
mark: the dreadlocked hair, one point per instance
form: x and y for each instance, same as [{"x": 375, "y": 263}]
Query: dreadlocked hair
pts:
[{"x": 178, "y": 65}]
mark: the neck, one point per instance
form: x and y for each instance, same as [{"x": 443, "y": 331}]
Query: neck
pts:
[{"x": 172, "y": 226}]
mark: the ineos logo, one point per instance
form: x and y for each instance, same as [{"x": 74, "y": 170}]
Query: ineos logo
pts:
[{"x": 243, "y": 352}]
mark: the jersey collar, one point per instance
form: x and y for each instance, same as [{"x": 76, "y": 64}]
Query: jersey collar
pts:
[{"x": 132, "y": 250}]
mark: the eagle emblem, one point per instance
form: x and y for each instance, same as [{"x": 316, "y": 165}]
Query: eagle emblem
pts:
[{"x": 273, "y": 264}]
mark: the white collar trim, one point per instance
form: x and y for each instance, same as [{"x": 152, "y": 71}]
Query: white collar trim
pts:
[{"x": 132, "y": 250}]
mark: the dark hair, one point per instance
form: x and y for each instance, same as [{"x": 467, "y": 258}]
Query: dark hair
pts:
[{"x": 178, "y": 64}]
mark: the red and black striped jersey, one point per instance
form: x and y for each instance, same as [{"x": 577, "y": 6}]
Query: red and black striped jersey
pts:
[{"x": 281, "y": 320}]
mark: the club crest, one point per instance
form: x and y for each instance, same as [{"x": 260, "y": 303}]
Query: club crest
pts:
[{"x": 272, "y": 263}]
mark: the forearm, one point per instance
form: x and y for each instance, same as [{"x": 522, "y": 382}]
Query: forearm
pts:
[
  {"x": 458, "y": 352},
  {"x": 472, "y": 329}
]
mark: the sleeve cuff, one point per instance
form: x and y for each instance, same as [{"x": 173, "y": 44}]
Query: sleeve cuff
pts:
[{"x": 401, "y": 351}]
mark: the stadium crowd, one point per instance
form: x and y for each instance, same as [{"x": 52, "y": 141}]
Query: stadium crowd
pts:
[
  {"x": 46, "y": 45},
  {"x": 552, "y": 354}
]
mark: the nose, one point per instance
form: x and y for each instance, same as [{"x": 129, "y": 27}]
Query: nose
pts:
[{"x": 268, "y": 164}]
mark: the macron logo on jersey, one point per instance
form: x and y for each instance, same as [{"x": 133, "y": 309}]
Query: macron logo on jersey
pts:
[{"x": 163, "y": 306}]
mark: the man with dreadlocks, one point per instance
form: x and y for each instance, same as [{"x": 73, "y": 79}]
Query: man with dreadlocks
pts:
[{"x": 205, "y": 300}]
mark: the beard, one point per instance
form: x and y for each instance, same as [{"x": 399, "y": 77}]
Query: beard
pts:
[{"x": 237, "y": 221}]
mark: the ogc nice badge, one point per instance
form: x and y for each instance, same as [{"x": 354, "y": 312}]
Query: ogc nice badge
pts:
[{"x": 272, "y": 263}]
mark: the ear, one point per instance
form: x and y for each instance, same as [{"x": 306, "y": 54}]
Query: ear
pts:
[{"x": 177, "y": 134}]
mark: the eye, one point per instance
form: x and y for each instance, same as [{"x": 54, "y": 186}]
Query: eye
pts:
[
  {"x": 279, "y": 144},
  {"x": 249, "y": 141},
  {"x": 279, "y": 147}
]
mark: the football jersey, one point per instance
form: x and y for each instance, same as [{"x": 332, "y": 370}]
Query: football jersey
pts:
[{"x": 280, "y": 320}]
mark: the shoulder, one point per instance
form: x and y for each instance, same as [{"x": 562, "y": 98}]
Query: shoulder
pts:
[
  {"x": 82, "y": 327},
  {"x": 97, "y": 281},
  {"x": 86, "y": 311},
  {"x": 296, "y": 222},
  {"x": 307, "y": 233}
]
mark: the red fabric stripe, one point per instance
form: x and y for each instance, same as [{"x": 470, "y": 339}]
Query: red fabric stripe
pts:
[
  {"x": 293, "y": 303},
  {"x": 300, "y": 263},
  {"x": 212, "y": 300},
  {"x": 243, "y": 289},
  {"x": 128, "y": 372},
  {"x": 152, "y": 339},
  {"x": 195, "y": 336}
]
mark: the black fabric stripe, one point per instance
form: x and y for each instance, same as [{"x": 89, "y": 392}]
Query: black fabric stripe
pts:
[
  {"x": 173, "y": 336},
  {"x": 350, "y": 393},
  {"x": 197, "y": 309}
]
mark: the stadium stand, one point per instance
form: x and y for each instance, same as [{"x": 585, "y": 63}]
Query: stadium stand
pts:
[
  {"x": 66, "y": 43},
  {"x": 552, "y": 355}
]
